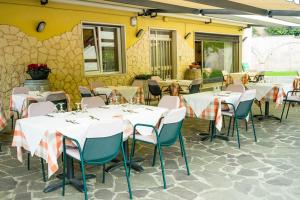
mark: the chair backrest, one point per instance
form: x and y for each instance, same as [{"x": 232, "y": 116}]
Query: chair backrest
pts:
[
  {"x": 97, "y": 84},
  {"x": 236, "y": 88},
  {"x": 245, "y": 103},
  {"x": 170, "y": 126},
  {"x": 174, "y": 89},
  {"x": 20, "y": 90},
  {"x": 85, "y": 92},
  {"x": 195, "y": 86},
  {"x": 57, "y": 98},
  {"x": 154, "y": 88},
  {"x": 41, "y": 108},
  {"x": 103, "y": 141},
  {"x": 92, "y": 102},
  {"x": 169, "y": 102}
]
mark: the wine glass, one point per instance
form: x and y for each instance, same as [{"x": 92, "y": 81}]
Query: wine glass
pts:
[
  {"x": 61, "y": 107},
  {"x": 78, "y": 105},
  {"x": 117, "y": 99},
  {"x": 84, "y": 108}
]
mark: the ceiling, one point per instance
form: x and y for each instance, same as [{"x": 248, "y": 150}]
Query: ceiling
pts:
[{"x": 247, "y": 12}]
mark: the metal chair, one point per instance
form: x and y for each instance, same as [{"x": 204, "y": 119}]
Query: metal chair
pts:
[
  {"x": 242, "y": 111},
  {"x": 154, "y": 90},
  {"x": 92, "y": 102},
  {"x": 193, "y": 88},
  {"x": 166, "y": 135},
  {"x": 169, "y": 102},
  {"x": 85, "y": 92},
  {"x": 102, "y": 144},
  {"x": 39, "y": 109},
  {"x": 291, "y": 97},
  {"x": 58, "y": 98},
  {"x": 17, "y": 90}
]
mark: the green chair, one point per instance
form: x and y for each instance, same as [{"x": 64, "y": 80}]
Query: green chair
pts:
[
  {"x": 166, "y": 135},
  {"x": 291, "y": 97},
  {"x": 101, "y": 144},
  {"x": 241, "y": 112}
]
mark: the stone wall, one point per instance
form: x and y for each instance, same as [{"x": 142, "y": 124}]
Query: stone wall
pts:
[{"x": 64, "y": 56}]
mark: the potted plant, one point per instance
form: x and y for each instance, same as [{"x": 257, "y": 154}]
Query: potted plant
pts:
[
  {"x": 212, "y": 76},
  {"x": 38, "y": 71}
]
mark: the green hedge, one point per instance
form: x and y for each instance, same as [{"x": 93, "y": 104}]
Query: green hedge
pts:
[{"x": 283, "y": 73}]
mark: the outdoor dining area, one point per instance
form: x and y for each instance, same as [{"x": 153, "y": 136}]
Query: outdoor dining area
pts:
[{"x": 147, "y": 100}]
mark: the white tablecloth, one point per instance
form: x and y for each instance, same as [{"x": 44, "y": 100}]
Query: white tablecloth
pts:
[
  {"x": 35, "y": 128},
  {"x": 262, "y": 89}
]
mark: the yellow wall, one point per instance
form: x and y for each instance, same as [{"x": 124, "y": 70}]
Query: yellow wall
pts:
[
  {"x": 25, "y": 14},
  {"x": 60, "y": 44}
]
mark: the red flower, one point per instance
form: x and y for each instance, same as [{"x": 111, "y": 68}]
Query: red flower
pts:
[{"x": 34, "y": 67}]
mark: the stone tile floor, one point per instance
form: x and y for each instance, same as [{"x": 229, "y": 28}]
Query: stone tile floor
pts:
[{"x": 269, "y": 169}]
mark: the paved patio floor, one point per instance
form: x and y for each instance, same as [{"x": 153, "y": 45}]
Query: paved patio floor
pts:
[{"x": 268, "y": 169}]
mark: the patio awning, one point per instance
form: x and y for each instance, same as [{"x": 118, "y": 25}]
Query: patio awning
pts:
[{"x": 246, "y": 12}]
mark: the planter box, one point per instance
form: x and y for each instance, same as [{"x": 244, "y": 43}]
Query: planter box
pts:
[
  {"x": 213, "y": 80},
  {"x": 39, "y": 74}
]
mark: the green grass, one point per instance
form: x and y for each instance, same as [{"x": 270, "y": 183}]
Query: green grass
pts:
[{"x": 283, "y": 73}]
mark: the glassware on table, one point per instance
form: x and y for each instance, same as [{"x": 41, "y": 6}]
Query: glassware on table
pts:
[
  {"x": 84, "y": 108},
  {"x": 42, "y": 89},
  {"x": 168, "y": 77},
  {"x": 131, "y": 101},
  {"x": 117, "y": 99},
  {"x": 61, "y": 107},
  {"x": 78, "y": 107}
]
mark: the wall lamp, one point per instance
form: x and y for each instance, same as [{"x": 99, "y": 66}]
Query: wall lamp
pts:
[
  {"x": 187, "y": 36},
  {"x": 44, "y": 2},
  {"x": 41, "y": 26},
  {"x": 139, "y": 33}
]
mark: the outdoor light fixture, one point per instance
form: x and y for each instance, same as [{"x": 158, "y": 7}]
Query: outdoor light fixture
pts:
[
  {"x": 139, "y": 33},
  {"x": 295, "y": 1},
  {"x": 44, "y": 2},
  {"x": 41, "y": 26},
  {"x": 187, "y": 36},
  {"x": 133, "y": 21}
]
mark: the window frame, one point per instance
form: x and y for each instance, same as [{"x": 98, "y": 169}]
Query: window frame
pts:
[{"x": 121, "y": 42}]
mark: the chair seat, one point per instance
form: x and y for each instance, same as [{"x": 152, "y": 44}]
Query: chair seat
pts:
[
  {"x": 293, "y": 98},
  {"x": 227, "y": 113},
  {"x": 146, "y": 138}
]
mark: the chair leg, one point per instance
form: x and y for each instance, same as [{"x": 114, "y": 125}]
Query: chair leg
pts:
[
  {"x": 131, "y": 154},
  {"x": 84, "y": 180},
  {"x": 237, "y": 133},
  {"x": 43, "y": 170},
  {"x": 246, "y": 124},
  {"x": 282, "y": 111},
  {"x": 184, "y": 154},
  {"x": 211, "y": 130},
  {"x": 229, "y": 125},
  {"x": 154, "y": 156},
  {"x": 28, "y": 161},
  {"x": 103, "y": 173},
  {"x": 223, "y": 121},
  {"x": 64, "y": 170},
  {"x": 287, "y": 112},
  {"x": 259, "y": 104},
  {"x": 162, "y": 165},
  {"x": 181, "y": 150},
  {"x": 126, "y": 171},
  {"x": 12, "y": 122},
  {"x": 254, "y": 133},
  {"x": 233, "y": 127}
]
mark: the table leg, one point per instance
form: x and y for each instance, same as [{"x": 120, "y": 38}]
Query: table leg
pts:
[
  {"x": 70, "y": 179},
  {"x": 134, "y": 165},
  {"x": 267, "y": 113}
]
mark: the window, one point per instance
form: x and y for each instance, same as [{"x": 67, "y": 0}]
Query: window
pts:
[
  {"x": 218, "y": 52},
  {"x": 161, "y": 53},
  {"x": 104, "y": 49}
]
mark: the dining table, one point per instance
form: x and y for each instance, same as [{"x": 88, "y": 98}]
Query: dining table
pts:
[
  {"x": 127, "y": 94},
  {"x": 3, "y": 120},
  {"x": 270, "y": 92},
  {"x": 20, "y": 102},
  {"x": 208, "y": 106},
  {"x": 42, "y": 135}
]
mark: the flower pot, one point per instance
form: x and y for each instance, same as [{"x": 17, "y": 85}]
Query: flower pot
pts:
[{"x": 39, "y": 74}]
